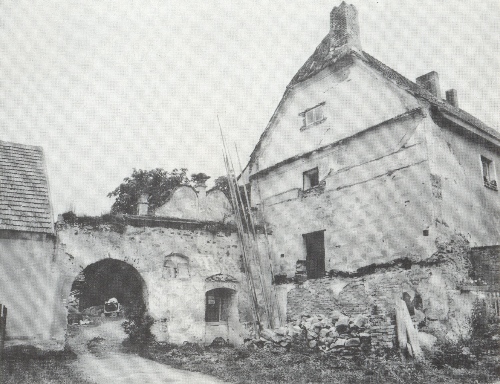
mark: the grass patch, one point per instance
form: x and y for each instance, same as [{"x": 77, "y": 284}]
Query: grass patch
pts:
[
  {"x": 25, "y": 364},
  {"x": 243, "y": 365}
]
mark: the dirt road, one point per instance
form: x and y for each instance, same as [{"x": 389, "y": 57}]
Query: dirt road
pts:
[
  {"x": 101, "y": 359},
  {"x": 118, "y": 368}
]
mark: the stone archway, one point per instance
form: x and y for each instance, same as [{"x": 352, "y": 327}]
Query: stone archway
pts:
[
  {"x": 90, "y": 323},
  {"x": 106, "y": 279}
]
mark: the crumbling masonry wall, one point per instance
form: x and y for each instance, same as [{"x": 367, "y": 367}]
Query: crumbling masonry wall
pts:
[
  {"x": 176, "y": 303},
  {"x": 485, "y": 263},
  {"x": 430, "y": 287}
]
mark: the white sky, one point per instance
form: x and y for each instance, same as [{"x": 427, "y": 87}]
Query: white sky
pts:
[{"x": 108, "y": 86}]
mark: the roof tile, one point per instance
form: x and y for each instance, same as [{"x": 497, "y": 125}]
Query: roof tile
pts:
[{"x": 24, "y": 189}]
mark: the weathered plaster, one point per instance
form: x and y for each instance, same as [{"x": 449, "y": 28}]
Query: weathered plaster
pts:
[
  {"x": 343, "y": 90},
  {"x": 146, "y": 249},
  {"x": 27, "y": 289}
]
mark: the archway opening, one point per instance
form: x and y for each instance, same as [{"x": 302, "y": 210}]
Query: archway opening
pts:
[{"x": 94, "y": 289}]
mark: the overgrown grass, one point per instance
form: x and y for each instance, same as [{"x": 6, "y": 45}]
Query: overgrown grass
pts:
[
  {"x": 31, "y": 365},
  {"x": 242, "y": 365}
]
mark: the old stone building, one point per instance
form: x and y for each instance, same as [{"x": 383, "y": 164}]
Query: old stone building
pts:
[
  {"x": 377, "y": 181},
  {"x": 27, "y": 242}
]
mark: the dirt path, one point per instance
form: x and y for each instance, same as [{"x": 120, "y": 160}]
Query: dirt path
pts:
[
  {"x": 117, "y": 368},
  {"x": 101, "y": 360}
]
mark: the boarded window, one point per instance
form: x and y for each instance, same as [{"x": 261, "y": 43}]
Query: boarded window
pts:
[
  {"x": 176, "y": 266},
  {"x": 315, "y": 254}
]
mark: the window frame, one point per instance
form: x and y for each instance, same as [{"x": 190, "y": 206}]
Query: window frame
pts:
[
  {"x": 219, "y": 311},
  {"x": 488, "y": 172},
  {"x": 313, "y": 110},
  {"x": 307, "y": 174}
]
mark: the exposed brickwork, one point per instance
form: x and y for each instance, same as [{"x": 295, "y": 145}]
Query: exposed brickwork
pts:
[
  {"x": 485, "y": 262},
  {"x": 430, "y": 288}
]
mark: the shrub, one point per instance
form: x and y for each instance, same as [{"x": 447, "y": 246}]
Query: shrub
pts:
[
  {"x": 138, "y": 329},
  {"x": 455, "y": 354}
]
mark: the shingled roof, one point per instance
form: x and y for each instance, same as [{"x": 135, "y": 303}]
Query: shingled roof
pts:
[{"x": 24, "y": 189}]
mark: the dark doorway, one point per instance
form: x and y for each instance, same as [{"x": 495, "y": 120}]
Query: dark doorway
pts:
[
  {"x": 217, "y": 305},
  {"x": 315, "y": 259}
]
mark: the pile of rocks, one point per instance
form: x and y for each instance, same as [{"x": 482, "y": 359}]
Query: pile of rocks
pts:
[{"x": 336, "y": 333}]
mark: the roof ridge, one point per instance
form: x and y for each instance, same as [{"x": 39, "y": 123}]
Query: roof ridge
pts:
[
  {"x": 18, "y": 145},
  {"x": 421, "y": 92}
]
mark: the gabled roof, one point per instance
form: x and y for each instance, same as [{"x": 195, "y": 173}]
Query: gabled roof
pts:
[
  {"x": 327, "y": 54},
  {"x": 24, "y": 189}
]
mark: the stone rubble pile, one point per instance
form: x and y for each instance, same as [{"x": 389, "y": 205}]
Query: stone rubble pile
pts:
[{"x": 336, "y": 333}]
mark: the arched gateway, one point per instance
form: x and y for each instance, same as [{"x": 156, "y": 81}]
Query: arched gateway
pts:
[{"x": 104, "y": 280}]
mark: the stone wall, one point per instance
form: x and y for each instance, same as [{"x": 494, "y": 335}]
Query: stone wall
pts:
[
  {"x": 431, "y": 289},
  {"x": 462, "y": 202},
  {"x": 176, "y": 303},
  {"x": 373, "y": 205}
]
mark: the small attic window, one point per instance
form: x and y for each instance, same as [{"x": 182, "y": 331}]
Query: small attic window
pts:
[
  {"x": 312, "y": 116},
  {"x": 311, "y": 178},
  {"x": 489, "y": 176}
]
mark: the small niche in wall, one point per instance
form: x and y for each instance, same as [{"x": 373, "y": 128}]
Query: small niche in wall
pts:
[{"x": 176, "y": 266}]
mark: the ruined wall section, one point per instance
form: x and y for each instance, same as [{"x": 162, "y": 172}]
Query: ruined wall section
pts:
[
  {"x": 485, "y": 263},
  {"x": 373, "y": 201},
  {"x": 177, "y": 304},
  {"x": 462, "y": 203},
  {"x": 431, "y": 288}
]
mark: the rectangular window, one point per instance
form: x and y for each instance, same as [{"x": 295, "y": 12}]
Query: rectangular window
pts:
[
  {"x": 311, "y": 178},
  {"x": 489, "y": 177},
  {"x": 313, "y": 116}
]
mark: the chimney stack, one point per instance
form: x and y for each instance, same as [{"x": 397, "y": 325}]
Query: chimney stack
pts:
[
  {"x": 452, "y": 97},
  {"x": 143, "y": 205},
  {"x": 430, "y": 82},
  {"x": 344, "y": 26}
]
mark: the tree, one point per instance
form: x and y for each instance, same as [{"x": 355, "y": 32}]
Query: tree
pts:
[
  {"x": 222, "y": 184},
  {"x": 157, "y": 183}
]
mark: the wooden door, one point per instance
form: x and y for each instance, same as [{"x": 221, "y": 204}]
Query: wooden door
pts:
[{"x": 315, "y": 254}]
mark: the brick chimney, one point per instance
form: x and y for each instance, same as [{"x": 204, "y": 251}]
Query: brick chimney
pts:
[
  {"x": 452, "y": 97},
  {"x": 344, "y": 26},
  {"x": 143, "y": 205},
  {"x": 430, "y": 82}
]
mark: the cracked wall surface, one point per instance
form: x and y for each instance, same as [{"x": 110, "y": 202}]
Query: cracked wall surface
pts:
[
  {"x": 462, "y": 203},
  {"x": 177, "y": 303},
  {"x": 373, "y": 205},
  {"x": 432, "y": 288}
]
